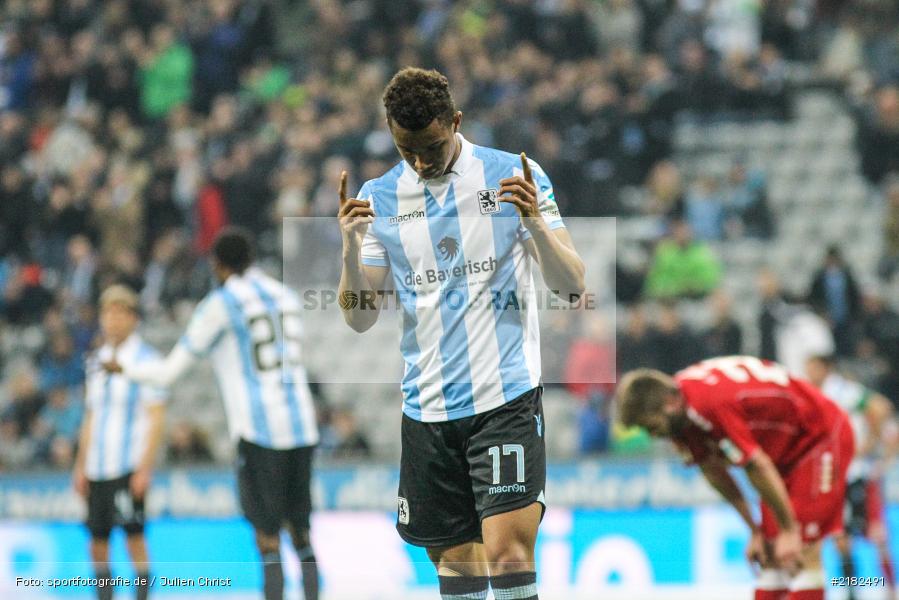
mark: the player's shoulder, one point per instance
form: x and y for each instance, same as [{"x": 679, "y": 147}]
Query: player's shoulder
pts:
[
  {"x": 701, "y": 390},
  {"x": 276, "y": 289},
  {"x": 504, "y": 158},
  {"x": 214, "y": 304},
  {"x": 385, "y": 183}
]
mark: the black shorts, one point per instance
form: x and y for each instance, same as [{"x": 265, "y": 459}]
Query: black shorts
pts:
[
  {"x": 274, "y": 486},
  {"x": 454, "y": 474},
  {"x": 109, "y": 503},
  {"x": 864, "y": 509}
]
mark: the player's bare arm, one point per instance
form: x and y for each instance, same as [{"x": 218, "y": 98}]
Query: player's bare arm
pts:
[
  {"x": 79, "y": 478},
  {"x": 140, "y": 480},
  {"x": 562, "y": 268},
  {"x": 770, "y": 485},
  {"x": 715, "y": 470},
  {"x": 879, "y": 416},
  {"x": 355, "y": 216},
  {"x": 158, "y": 373}
]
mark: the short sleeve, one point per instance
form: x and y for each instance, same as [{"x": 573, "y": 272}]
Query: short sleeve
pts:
[
  {"x": 206, "y": 327},
  {"x": 374, "y": 254},
  {"x": 151, "y": 395},
  {"x": 546, "y": 199}
]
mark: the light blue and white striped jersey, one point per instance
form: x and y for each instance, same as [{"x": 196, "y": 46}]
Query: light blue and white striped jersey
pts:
[
  {"x": 117, "y": 405},
  {"x": 250, "y": 328},
  {"x": 458, "y": 260}
]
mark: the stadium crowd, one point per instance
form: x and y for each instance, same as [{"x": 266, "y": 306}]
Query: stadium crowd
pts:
[{"x": 132, "y": 131}]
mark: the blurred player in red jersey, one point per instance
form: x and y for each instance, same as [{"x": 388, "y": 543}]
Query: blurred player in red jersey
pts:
[
  {"x": 875, "y": 431},
  {"x": 795, "y": 444}
]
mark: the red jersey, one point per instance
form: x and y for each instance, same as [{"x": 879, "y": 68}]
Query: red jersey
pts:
[{"x": 739, "y": 404}]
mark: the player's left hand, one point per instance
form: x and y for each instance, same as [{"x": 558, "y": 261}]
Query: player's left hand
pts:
[
  {"x": 140, "y": 481},
  {"x": 111, "y": 366},
  {"x": 757, "y": 552},
  {"x": 522, "y": 192}
]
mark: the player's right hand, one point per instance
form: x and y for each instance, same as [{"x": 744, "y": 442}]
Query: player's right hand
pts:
[
  {"x": 354, "y": 216},
  {"x": 788, "y": 550},
  {"x": 79, "y": 482}
]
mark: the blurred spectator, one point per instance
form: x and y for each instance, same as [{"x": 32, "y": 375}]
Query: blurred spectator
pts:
[
  {"x": 618, "y": 23},
  {"x": 17, "y": 72},
  {"x": 635, "y": 346},
  {"x": 84, "y": 328},
  {"x": 15, "y": 213},
  {"x": 878, "y": 135},
  {"x": 790, "y": 332},
  {"x": 880, "y": 325},
  {"x": 61, "y": 366},
  {"x": 218, "y": 48},
  {"x": 343, "y": 440},
  {"x": 62, "y": 453},
  {"x": 17, "y": 450},
  {"x": 629, "y": 282},
  {"x": 843, "y": 54},
  {"x": 26, "y": 297},
  {"x": 800, "y": 336},
  {"x": 211, "y": 215},
  {"x": 81, "y": 268},
  {"x": 118, "y": 207},
  {"x": 682, "y": 266},
  {"x": 705, "y": 210},
  {"x": 701, "y": 88},
  {"x": 675, "y": 346},
  {"x": 25, "y": 402},
  {"x": 772, "y": 311},
  {"x": 835, "y": 294},
  {"x": 746, "y": 202},
  {"x": 629, "y": 440},
  {"x": 889, "y": 262},
  {"x": 187, "y": 445},
  {"x": 734, "y": 27},
  {"x": 591, "y": 358},
  {"x": 666, "y": 194},
  {"x": 561, "y": 328},
  {"x": 172, "y": 273},
  {"x": 167, "y": 68},
  {"x": 60, "y": 418},
  {"x": 590, "y": 377},
  {"x": 724, "y": 337}
]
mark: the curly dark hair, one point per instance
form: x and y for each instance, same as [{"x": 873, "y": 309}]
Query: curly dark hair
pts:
[
  {"x": 233, "y": 248},
  {"x": 415, "y": 97}
]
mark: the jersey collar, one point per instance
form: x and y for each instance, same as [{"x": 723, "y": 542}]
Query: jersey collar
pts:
[{"x": 126, "y": 348}]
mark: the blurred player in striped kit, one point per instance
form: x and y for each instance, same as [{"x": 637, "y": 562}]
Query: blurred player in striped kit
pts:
[
  {"x": 120, "y": 435},
  {"x": 876, "y": 439},
  {"x": 249, "y": 328},
  {"x": 455, "y": 223}
]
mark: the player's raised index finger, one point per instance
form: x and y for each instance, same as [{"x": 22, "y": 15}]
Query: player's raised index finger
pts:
[
  {"x": 526, "y": 167},
  {"x": 341, "y": 189}
]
